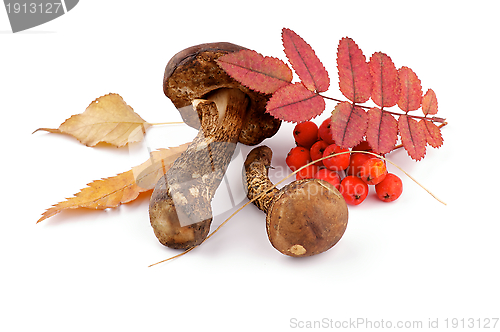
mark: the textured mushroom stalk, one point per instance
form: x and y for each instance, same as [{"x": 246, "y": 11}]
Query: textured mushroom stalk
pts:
[
  {"x": 257, "y": 166},
  {"x": 180, "y": 207},
  {"x": 304, "y": 218}
]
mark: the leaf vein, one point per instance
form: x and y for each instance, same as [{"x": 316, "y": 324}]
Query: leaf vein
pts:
[
  {"x": 305, "y": 65},
  {"x": 294, "y": 103},
  {"x": 257, "y": 71}
]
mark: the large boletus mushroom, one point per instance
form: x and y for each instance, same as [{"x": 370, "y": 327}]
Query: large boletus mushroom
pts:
[{"x": 225, "y": 112}]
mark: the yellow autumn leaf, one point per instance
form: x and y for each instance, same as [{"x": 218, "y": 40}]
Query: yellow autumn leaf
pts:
[
  {"x": 107, "y": 119},
  {"x": 122, "y": 188}
]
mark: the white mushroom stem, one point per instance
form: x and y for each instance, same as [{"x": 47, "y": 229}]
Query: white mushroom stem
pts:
[{"x": 220, "y": 98}]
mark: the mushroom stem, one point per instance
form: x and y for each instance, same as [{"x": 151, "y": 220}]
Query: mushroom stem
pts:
[
  {"x": 304, "y": 218},
  {"x": 180, "y": 207},
  {"x": 257, "y": 181}
]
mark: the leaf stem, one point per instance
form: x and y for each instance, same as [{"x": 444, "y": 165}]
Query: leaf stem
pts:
[
  {"x": 330, "y": 98},
  {"x": 434, "y": 118},
  {"x": 401, "y": 145},
  {"x": 164, "y": 123}
]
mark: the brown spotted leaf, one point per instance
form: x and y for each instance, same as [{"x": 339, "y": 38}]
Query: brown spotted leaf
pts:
[
  {"x": 295, "y": 103},
  {"x": 255, "y": 71},
  {"x": 122, "y": 188},
  {"x": 304, "y": 61},
  {"x": 386, "y": 88},
  {"x": 432, "y": 133},
  {"x": 107, "y": 119},
  {"x": 382, "y": 131},
  {"x": 355, "y": 80},
  {"x": 410, "y": 98},
  {"x": 349, "y": 124},
  {"x": 412, "y": 137}
]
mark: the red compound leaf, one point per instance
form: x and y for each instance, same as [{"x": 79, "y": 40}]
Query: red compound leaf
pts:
[
  {"x": 349, "y": 123},
  {"x": 432, "y": 133},
  {"x": 382, "y": 131},
  {"x": 411, "y": 90},
  {"x": 355, "y": 80},
  {"x": 386, "y": 87},
  {"x": 429, "y": 103},
  {"x": 295, "y": 103},
  {"x": 304, "y": 61},
  {"x": 412, "y": 137},
  {"x": 255, "y": 71}
]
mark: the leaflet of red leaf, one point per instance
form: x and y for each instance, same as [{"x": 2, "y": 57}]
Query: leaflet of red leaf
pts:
[
  {"x": 349, "y": 124},
  {"x": 410, "y": 98},
  {"x": 382, "y": 131},
  {"x": 412, "y": 137},
  {"x": 386, "y": 88},
  {"x": 355, "y": 80},
  {"x": 255, "y": 71},
  {"x": 430, "y": 103},
  {"x": 304, "y": 61},
  {"x": 295, "y": 103},
  {"x": 432, "y": 133}
]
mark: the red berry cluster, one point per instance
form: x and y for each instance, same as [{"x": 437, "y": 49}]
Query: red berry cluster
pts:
[{"x": 350, "y": 173}]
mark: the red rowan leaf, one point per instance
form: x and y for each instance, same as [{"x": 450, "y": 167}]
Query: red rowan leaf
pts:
[
  {"x": 412, "y": 137},
  {"x": 255, "y": 71},
  {"x": 411, "y": 90},
  {"x": 295, "y": 103},
  {"x": 386, "y": 87},
  {"x": 304, "y": 61},
  {"x": 430, "y": 103},
  {"x": 349, "y": 124},
  {"x": 382, "y": 131},
  {"x": 355, "y": 80},
  {"x": 432, "y": 133}
]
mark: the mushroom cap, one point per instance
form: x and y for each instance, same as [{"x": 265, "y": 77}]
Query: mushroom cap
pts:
[
  {"x": 193, "y": 73},
  {"x": 307, "y": 217}
]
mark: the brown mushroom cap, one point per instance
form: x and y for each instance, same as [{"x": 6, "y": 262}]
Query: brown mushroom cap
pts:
[
  {"x": 306, "y": 218},
  {"x": 193, "y": 73}
]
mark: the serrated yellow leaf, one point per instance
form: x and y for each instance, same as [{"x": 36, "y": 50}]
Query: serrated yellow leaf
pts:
[
  {"x": 122, "y": 188},
  {"x": 107, "y": 119}
]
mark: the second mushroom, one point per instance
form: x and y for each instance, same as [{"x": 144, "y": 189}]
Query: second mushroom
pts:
[{"x": 304, "y": 218}]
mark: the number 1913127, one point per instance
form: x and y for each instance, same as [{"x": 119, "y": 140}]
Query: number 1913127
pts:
[
  {"x": 479, "y": 323},
  {"x": 33, "y": 8}
]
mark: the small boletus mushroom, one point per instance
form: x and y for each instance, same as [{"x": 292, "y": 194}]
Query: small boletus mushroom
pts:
[
  {"x": 225, "y": 112},
  {"x": 305, "y": 217}
]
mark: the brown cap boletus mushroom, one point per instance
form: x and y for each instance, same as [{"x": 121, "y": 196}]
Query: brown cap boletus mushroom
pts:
[
  {"x": 304, "y": 218},
  {"x": 225, "y": 112}
]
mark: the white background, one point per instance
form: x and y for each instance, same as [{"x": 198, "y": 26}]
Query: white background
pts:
[{"x": 414, "y": 259}]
